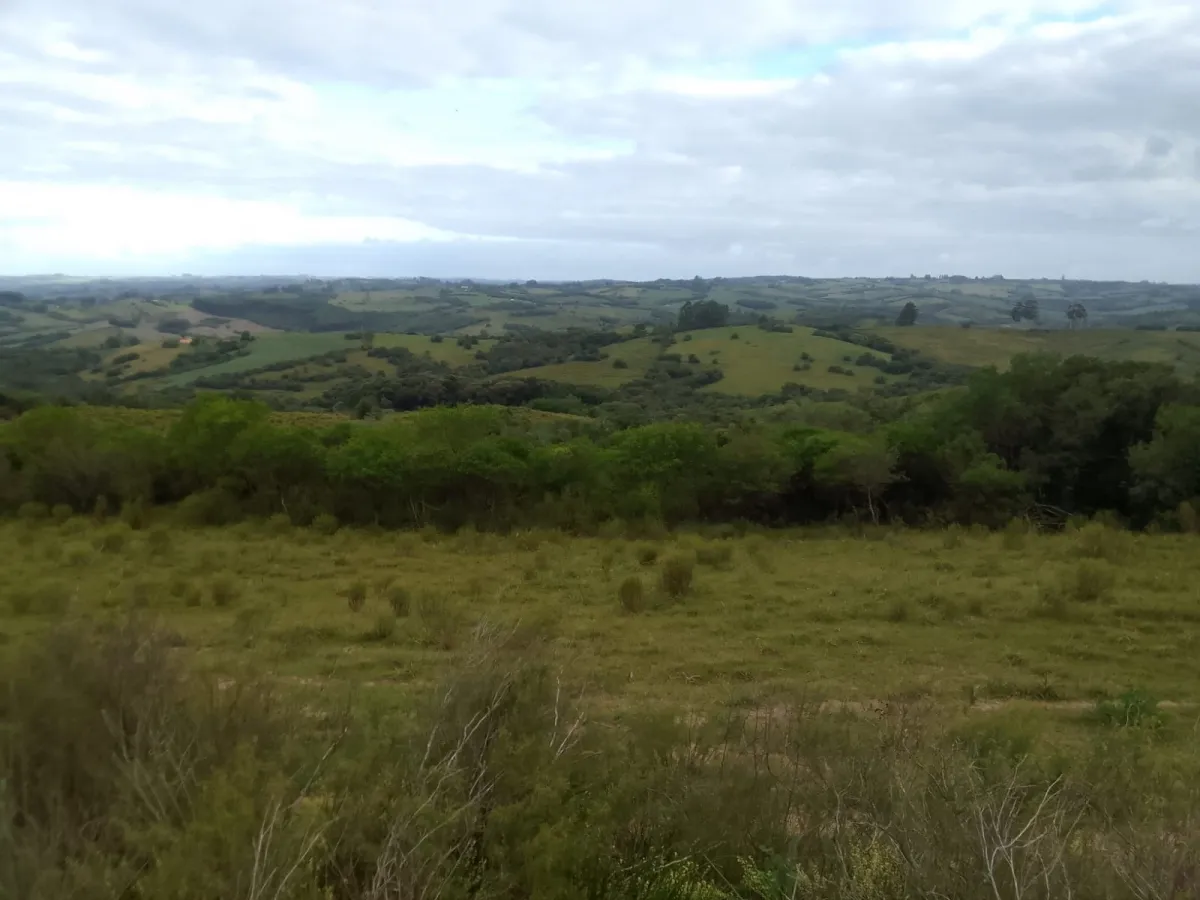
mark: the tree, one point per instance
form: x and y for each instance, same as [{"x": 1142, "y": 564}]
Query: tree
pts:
[
  {"x": 368, "y": 339},
  {"x": 908, "y": 315},
  {"x": 867, "y": 465},
  {"x": 1026, "y": 308},
  {"x": 1077, "y": 314},
  {"x": 696, "y": 314}
]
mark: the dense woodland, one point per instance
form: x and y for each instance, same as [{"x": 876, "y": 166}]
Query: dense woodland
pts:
[{"x": 1049, "y": 439}]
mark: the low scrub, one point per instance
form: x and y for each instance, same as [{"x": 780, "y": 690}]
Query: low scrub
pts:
[{"x": 125, "y": 774}]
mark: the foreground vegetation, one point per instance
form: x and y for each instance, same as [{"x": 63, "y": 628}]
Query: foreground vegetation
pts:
[{"x": 267, "y": 711}]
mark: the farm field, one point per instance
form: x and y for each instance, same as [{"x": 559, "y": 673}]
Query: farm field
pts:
[
  {"x": 997, "y": 346},
  {"x": 967, "y": 621}
]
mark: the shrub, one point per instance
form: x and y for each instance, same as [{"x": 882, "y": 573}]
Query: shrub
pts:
[
  {"x": 61, "y": 513},
  {"x": 50, "y": 599},
  {"x": 223, "y": 590},
  {"x": 952, "y": 539},
  {"x": 620, "y": 364},
  {"x": 33, "y": 512},
  {"x": 441, "y": 621},
  {"x": 1015, "y": 532},
  {"x": 647, "y": 556},
  {"x": 715, "y": 555},
  {"x": 158, "y": 541},
  {"x": 676, "y": 576},
  {"x": 632, "y": 595},
  {"x": 1132, "y": 709},
  {"x": 1098, "y": 541},
  {"x": 356, "y": 595},
  {"x": 208, "y": 508},
  {"x": 133, "y": 514},
  {"x": 1091, "y": 582},
  {"x": 325, "y": 524},
  {"x": 1189, "y": 519},
  {"x": 383, "y": 628},
  {"x": 399, "y": 600},
  {"x": 279, "y": 523},
  {"x": 112, "y": 540}
]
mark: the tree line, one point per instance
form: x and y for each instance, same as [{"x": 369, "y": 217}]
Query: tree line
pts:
[{"x": 1050, "y": 438}]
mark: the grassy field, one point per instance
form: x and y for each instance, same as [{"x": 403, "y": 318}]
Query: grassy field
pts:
[
  {"x": 754, "y": 362},
  {"x": 873, "y": 717},
  {"x": 962, "y": 619},
  {"x": 997, "y": 346},
  {"x": 268, "y": 349}
]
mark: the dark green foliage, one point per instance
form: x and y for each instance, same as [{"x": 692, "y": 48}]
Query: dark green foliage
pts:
[
  {"x": 908, "y": 314},
  {"x": 699, "y": 314}
]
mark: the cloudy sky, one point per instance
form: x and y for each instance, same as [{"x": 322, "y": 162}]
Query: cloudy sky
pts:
[{"x": 617, "y": 138}]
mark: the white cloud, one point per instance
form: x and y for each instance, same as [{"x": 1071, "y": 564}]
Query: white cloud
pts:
[{"x": 874, "y": 136}]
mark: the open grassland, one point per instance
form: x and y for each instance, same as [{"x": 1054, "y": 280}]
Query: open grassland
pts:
[
  {"x": 997, "y": 346},
  {"x": 957, "y": 617},
  {"x": 359, "y": 715},
  {"x": 447, "y": 351},
  {"x": 754, "y": 361},
  {"x": 265, "y": 350}
]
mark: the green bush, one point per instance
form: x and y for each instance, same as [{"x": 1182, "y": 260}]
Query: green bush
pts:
[
  {"x": 112, "y": 540},
  {"x": 33, "y": 511},
  {"x": 1133, "y": 709},
  {"x": 399, "y": 601},
  {"x": 61, "y": 513},
  {"x": 632, "y": 595},
  {"x": 647, "y": 556},
  {"x": 715, "y": 555},
  {"x": 224, "y": 591},
  {"x": 325, "y": 524},
  {"x": 356, "y": 595},
  {"x": 675, "y": 579},
  {"x": 383, "y": 628},
  {"x": 1090, "y": 582}
]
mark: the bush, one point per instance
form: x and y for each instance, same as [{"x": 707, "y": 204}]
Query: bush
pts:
[
  {"x": 676, "y": 576},
  {"x": 1189, "y": 519},
  {"x": 61, "y": 513},
  {"x": 383, "y": 628},
  {"x": 1098, "y": 541},
  {"x": 647, "y": 556},
  {"x": 133, "y": 514},
  {"x": 325, "y": 524},
  {"x": 620, "y": 364},
  {"x": 158, "y": 541},
  {"x": 50, "y": 599},
  {"x": 1133, "y": 709},
  {"x": 1014, "y": 535},
  {"x": 399, "y": 601},
  {"x": 223, "y": 590},
  {"x": 112, "y": 540},
  {"x": 208, "y": 508},
  {"x": 441, "y": 621},
  {"x": 356, "y": 595},
  {"x": 715, "y": 555},
  {"x": 1091, "y": 582},
  {"x": 33, "y": 512},
  {"x": 632, "y": 595}
]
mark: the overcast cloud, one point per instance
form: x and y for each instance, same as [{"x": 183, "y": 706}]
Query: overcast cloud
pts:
[{"x": 618, "y": 138}]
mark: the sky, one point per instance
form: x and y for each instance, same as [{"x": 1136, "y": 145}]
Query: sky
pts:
[{"x": 601, "y": 138}]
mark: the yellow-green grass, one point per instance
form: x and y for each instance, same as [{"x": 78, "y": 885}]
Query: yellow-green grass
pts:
[
  {"x": 956, "y": 618},
  {"x": 755, "y": 362},
  {"x": 997, "y": 346},
  {"x": 638, "y": 354},
  {"x": 447, "y": 350}
]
